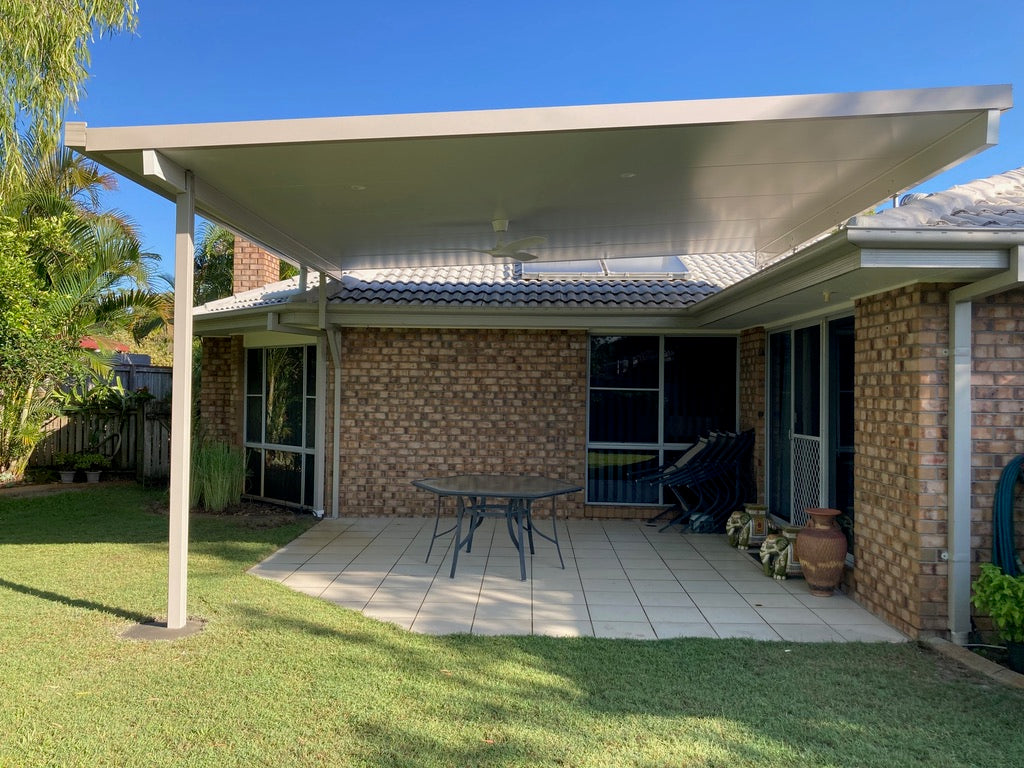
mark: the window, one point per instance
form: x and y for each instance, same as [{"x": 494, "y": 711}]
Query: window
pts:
[
  {"x": 280, "y": 425},
  {"x": 650, "y": 398}
]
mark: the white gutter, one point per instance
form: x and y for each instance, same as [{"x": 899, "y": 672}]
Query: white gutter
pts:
[
  {"x": 959, "y": 500},
  {"x": 934, "y": 237}
]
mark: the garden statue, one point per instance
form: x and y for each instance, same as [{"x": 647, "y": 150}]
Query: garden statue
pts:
[
  {"x": 775, "y": 555},
  {"x": 738, "y": 529}
]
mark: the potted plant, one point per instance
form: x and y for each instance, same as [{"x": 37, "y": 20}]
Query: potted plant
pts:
[
  {"x": 93, "y": 464},
  {"x": 1001, "y": 596},
  {"x": 66, "y": 463}
]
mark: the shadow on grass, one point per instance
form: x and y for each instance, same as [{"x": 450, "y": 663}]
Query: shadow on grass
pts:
[
  {"x": 73, "y": 602},
  {"x": 520, "y": 700},
  {"x": 123, "y": 514},
  {"x": 460, "y": 700}
]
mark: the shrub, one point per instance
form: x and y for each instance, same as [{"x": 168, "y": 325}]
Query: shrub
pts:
[
  {"x": 1001, "y": 596},
  {"x": 91, "y": 462},
  {"x": 218, "y": 476},
  {"x": 65, "y": 461}
]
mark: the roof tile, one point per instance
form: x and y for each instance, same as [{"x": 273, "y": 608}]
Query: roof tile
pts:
[
  {"x": 502, "y": 285},
  {"x": 995, "y": 202}
]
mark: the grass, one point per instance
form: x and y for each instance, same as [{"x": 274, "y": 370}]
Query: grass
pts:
[{"x": 281, "y": 679}]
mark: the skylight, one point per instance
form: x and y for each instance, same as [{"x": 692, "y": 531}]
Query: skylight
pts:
[{"x": 648, "y": 268}]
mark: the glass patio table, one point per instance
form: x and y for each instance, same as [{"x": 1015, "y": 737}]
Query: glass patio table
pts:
[{"x": 479, "y": 496}]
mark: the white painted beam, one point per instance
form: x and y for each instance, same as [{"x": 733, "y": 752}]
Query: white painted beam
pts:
[
  {"x": 181, "y": 408},
  {"x": 219, "y": 208}
]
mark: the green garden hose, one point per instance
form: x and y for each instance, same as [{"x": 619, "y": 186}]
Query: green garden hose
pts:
[{"x": 1003, "y": 553}]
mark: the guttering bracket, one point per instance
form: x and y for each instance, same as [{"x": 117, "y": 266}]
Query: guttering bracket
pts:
[{"x": 274, "y": 324}]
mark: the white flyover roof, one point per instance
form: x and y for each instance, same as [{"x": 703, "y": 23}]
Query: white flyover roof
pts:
[{"x": 596, "y": 182}]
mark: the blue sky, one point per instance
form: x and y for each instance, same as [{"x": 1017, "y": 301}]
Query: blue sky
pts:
[{"x": 194, "y": 61}]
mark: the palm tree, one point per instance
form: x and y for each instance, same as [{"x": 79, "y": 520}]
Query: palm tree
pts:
[
  {"x": 214, "y": 264},
  {"x": 95, "y": 279}
]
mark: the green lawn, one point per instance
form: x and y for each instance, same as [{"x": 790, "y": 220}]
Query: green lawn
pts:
[{"x": 281, "y": 679}]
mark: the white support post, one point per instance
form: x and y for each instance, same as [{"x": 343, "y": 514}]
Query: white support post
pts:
[
  {"x": 181, "y": 407},
  {"x": 959, "y": 480}
]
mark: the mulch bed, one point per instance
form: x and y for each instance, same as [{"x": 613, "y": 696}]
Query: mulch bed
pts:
[{"x": 248, "y": 513}]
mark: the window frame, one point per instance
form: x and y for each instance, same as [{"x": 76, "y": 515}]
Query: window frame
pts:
[
  {"x": 307, "y": 454},
  {"x": 661, "y": 447}
]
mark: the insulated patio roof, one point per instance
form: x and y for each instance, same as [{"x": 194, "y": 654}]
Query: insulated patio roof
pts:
[{"x": 596, "y": 182}]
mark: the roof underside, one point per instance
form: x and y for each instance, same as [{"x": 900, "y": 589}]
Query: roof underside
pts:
[{"x": 734, "y": 175}]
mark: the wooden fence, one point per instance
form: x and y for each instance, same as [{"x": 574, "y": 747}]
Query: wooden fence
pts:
[
  {"x": 154, "y": 378},
  {"x": 136, "y": 440}
]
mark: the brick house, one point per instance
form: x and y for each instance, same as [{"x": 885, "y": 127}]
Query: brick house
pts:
[
  {"x": 839, "y": 356},
  {"x": 850, "y": 353}
]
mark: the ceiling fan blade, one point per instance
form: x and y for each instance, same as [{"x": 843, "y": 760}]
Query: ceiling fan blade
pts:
[{"x": 523, "y": 243}]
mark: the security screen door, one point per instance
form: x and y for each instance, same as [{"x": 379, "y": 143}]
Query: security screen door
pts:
[
  {"x": 794, "y": 440},
  {"x": 810, "y": 419}
]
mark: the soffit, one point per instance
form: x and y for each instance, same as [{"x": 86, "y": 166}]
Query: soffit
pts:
[
  {"x": 734, "y": 175},
  {"x": 828, "y": 277}
]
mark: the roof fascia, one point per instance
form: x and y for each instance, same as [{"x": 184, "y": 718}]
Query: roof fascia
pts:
[{"x": 539, "y": 119}]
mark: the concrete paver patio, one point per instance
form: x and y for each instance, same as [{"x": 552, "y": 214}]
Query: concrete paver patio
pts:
[{"x": 622, "y": 579}]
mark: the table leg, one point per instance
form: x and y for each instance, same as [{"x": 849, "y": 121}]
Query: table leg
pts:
[
  {"x": 554, "y": 529},
  {"x": 458, "y": 535},
  {"x": 437, "y": 519},
  {"x": 528, "y": 511},
  {"x": 519, "y": 512},
  {"x": 474, "y": 521}
]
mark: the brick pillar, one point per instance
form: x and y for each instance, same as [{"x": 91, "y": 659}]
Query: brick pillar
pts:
[
  {"x": 253, "y": 266},
  {"x": 221, "y": 398},
  {"x": 752, "y": 399},
  {"x": 900, "y": 465}
]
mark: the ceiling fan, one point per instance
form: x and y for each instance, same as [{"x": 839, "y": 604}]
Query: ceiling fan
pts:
[{"x": 514, "y": 250}]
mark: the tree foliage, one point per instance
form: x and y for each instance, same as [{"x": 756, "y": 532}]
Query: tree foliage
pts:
[
  {"x": 70, "y": 271},
  {"x": 44, "y": 59},
  {"x": 214, "y": 263},
  {"x": 31, "y": 346}
]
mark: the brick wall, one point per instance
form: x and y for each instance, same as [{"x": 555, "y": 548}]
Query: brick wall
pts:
[
  {"x": 900, "y": 463},
  {"x": 253, "y": 267},
  {"x": 422, "y": 403},
  {"x": 752, "y": 399},
  {"x": 997, "y": 429},
  {"x": 221, "y": 399}
]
